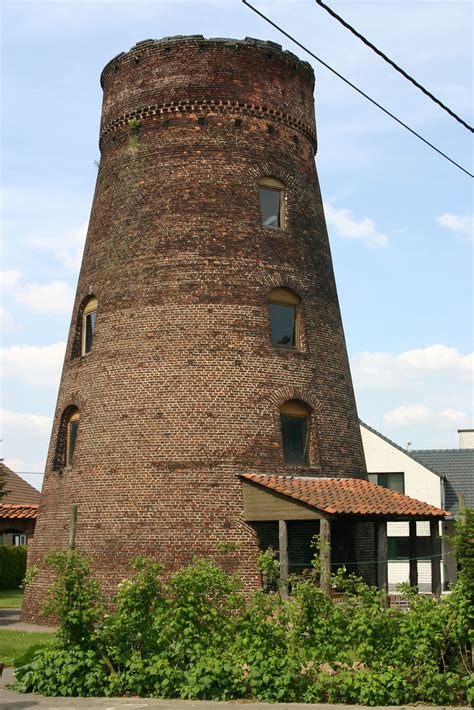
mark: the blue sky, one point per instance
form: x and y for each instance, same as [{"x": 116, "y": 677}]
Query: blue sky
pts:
[{"x": 399, "y": 216}]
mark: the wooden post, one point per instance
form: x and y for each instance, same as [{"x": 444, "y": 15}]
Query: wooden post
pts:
[
  {"x": 325, "y": 556},
  {"x": 283, "y": 547},
  {"x": 382, "y": 564},
  {"x": 412, "y": 554},
  {"x": 435, "y": 559},
  {"x": 462, "y": 507},
  {"x": 72, "y": 527}
]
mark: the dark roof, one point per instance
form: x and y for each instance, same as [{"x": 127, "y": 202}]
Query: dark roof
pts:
[
  {"x": 458, "y": 467},
  {"x": 348, "y": 496},
  {"x": 18, "y": 490}
]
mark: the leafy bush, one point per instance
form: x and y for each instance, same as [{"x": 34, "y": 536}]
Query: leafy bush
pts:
[
  {"x": 12, "y": 566},
  {"x": 198, "y": 637},
  {"x": 464, "y": 546}
]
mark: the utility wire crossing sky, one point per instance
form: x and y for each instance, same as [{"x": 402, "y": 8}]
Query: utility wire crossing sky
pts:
[
  {"x": 389, "y": 113},
  {"x": 393, "y": 64}
]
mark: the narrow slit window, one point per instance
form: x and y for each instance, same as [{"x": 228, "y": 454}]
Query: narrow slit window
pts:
[
  {"x": 88, "y": 325},
  {"x": 295, "y": 429},
  {"x": 72, "y": 430},
  {"x": 284, "y": 310},
  {"x": 271, "y": 195}
]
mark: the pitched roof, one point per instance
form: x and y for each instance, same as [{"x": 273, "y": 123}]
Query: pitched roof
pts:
[
  {"x": 398, "y": 447},
  {"x": 16, "y": 512},
  {"x": 343, "y": 496},
  {"x": 458, "y": 467},
  {"x": 18, "y": 490}
]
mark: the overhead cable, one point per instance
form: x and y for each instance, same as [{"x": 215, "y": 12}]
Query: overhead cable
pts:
[
  {"x": 359, "y": 91},
  {"x": 393, "y": 64}
]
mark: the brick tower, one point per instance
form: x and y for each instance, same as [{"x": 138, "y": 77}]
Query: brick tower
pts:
[{"x": 206, "y": 338}]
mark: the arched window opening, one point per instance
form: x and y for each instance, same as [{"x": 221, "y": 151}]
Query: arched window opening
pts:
[
  {"x": 89, "y": 314},
  {"x": 67, "y": 438},
  {"x": 272, "y": 203},
  {"x": 72, "y": 429},
  {"x": 295, "y": 418},
  {"x": 284, "y": 309}
]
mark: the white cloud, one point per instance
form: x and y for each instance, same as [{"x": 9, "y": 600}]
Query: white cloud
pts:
[
  {"x": 25, "y": 437},
  {"x": 437, "y": 358},
  {"x": 54, "y": 297},
  {"x": 454, "y": 415},
  {"x": 420, "y": 420},
  {"x": 423, "y": 395},
  {"x": 33, "y": 424},
  {"x": 407, "y": 415},
  {"x": 347, "y": 225},
  {"x": 9, "y": 279},
  {"x": 34, "y": 364},
  {"x": 66, "y": 246},
  {"x": 460, "y": 225},
  {"x": 8, "y": 323},
  {"x": 379, "y": 370}
]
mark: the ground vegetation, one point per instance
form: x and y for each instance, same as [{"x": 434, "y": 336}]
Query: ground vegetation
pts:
[{"x": 197, "y": 636}]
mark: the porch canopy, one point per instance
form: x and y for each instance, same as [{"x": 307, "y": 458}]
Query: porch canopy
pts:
[{"x": 285, "y": 498}]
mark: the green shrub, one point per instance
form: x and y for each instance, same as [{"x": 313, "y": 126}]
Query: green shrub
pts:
[
  {"x": 60, "y": 669},
  {"x": 12, "y": 566},
  {"x": 75, "y": 599},
  {"x": 198, "y": 637}
]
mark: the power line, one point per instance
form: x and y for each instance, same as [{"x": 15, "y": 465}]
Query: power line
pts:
[
  {"x": 393, "y": 64},
  {"x": 31, "y": 473},
  {"x": 359, "y": 91}
]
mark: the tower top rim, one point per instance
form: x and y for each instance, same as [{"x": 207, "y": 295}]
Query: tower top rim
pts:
[{"x": 267, "y": 45}]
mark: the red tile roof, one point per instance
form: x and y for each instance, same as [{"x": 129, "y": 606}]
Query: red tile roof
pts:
[
  {"x": 344, "y": 496},
  {"x": 10, "y": 512}
]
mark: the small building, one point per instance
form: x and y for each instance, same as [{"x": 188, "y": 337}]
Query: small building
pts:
[
  {"x": 440, "y": 477},
  {"x": 455, "y": 467},
  {"x": 18, "y": 509}
]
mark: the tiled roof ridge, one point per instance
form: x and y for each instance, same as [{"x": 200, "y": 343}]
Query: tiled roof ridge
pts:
[{"x": 19, "y": 505}]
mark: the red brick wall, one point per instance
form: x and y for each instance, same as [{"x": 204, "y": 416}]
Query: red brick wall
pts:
[{"x": 181, "y": 391}]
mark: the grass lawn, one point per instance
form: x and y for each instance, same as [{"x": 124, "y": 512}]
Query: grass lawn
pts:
[
  {"x": 11, "y": 598},
  {"x": 18, "y": 647}
]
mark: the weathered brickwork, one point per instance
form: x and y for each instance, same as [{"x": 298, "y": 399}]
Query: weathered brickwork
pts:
[{"x": 181, "y": 390}]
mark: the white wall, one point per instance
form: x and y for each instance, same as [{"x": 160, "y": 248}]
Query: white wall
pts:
[
  {"x": 420, "y": 483},
  {"x": 466, "y": 438}
]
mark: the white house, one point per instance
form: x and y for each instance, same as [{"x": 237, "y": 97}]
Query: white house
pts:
[{"x": 391, "y": 466}]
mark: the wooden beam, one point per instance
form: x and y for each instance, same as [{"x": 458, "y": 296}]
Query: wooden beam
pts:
[
  {"x": 72, "y": 527},
  {"x": 283, "y": 547},
  {"x": 264, "y": 504},
  {"x": 325, "y": 556},
  {"x": 382, "y": 563},
  {"x": 412, "y": 554},
  {"x": 435, "y": 559}
]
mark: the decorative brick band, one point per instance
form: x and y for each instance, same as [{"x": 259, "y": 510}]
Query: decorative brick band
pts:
[{"x": 211, "y": 107}]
